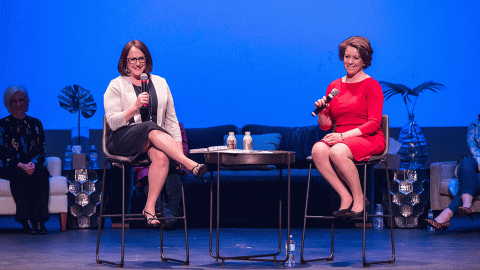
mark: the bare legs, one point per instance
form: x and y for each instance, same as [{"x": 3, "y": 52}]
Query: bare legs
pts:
[
  {"x": 165, "y": 143},
  {"x": 157, "y": 174},
  {"x": 160, "y": 147},
  {"x": 335, "y": 164}
]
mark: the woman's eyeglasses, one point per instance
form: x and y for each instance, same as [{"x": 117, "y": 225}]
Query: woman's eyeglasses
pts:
[{"x": 134, "y": 60}]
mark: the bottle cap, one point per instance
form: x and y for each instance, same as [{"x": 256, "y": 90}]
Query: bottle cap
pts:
[
  {"x": 231, "y": 133},
  {"x": 247, "y": 133}
]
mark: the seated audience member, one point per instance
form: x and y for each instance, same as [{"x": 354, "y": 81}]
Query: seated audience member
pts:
[
  {"x": 469, "y": 180},
  {"x": 22, "y": 148}
]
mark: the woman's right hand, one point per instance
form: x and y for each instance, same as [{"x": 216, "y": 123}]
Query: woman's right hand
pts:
[
  {"x": 142, "y": 99},
  {"x": 28, "y": 168},
  {"x": 321, "y": 102}
]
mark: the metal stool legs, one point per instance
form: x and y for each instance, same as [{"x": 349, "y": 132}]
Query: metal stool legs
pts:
[
  {"x": 365, "y": 216},
  {"x": 389, "y": 216},
  {"x": 126, "y": 217},
  {"x": 306, "y": 216}
]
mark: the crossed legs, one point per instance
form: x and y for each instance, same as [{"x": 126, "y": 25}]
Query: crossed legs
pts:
[
  {"x": 160, "y": 148},
  {"x": 469, "y": 180}
]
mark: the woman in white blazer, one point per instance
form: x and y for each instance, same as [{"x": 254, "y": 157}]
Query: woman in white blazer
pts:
[{"x": 145, "y": 123}]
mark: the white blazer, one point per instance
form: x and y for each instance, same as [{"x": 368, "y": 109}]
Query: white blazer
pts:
[{"x": 120, "y": 95}]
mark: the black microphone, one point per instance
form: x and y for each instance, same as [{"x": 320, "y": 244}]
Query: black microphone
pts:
[
  {"x": 144, "y": 78},
  {"x": 329, "y": 98}
]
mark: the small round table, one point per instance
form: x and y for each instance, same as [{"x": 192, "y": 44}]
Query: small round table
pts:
[{"x": 246, "y": 160}]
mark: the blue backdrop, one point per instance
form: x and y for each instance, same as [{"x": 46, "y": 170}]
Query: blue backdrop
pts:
[{"x": 260, "y": 62}]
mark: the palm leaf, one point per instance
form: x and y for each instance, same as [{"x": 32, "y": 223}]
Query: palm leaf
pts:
[
  {"x": 391, "y": 89},
  {"x": 433, "y": 86}
]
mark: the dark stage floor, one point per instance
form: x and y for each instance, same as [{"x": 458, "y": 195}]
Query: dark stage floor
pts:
[{"x": 457, "y": 248}]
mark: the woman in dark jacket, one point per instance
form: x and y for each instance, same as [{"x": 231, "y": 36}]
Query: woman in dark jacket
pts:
[{"x": 22, "y": 144}]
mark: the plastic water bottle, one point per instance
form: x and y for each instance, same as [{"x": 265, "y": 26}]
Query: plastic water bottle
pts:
[
  {"x": 247, "y": 141},
  {"x": 430, "y": 216},
  {"x": 231, "y": 141},
  {"x": 378, "y": 221},
  {"x": 67, "y": 165},
  {"x": 93, "y": 157},
  {"x": 290, "y": 256}
]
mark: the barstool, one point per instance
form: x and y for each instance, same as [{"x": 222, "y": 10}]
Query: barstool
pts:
[
  {"x": 124, "y": 163},
  {"x": 371, "y": 161}
]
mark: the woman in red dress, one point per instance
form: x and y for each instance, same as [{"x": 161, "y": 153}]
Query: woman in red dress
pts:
[{"x": 356, "y": 113}]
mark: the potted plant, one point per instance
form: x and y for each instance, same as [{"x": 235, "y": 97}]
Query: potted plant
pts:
[
  {"x": 413, "y": 151},
  {"x": 76, "y": 99}
]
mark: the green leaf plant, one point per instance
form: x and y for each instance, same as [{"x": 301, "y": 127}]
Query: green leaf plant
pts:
[{"x": 76, "y": 99}]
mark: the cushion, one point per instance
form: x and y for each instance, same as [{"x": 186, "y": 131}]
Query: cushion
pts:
[{"x": 265, "y": 142}]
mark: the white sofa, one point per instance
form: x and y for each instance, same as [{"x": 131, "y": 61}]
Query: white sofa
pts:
[{"x": 58, "y": 202}]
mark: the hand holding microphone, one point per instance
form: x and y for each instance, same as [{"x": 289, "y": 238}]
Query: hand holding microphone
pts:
[
  {"x": 142, "y": 100},
  {"x": 327, "y": 100},
  {"x": 144, "y": 79}
]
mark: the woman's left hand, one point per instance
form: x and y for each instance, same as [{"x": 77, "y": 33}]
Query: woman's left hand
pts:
[
  {"x": 332, "y": 138},
  {"x": 29, "y": 168}
]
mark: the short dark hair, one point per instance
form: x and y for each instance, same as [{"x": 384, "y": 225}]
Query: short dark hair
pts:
[
  {"x": 122, "y": 63},
  {"x": 361, "y": 44}
]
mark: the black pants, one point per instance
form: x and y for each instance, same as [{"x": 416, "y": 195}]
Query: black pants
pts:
[{"x": 30, "y": 193}]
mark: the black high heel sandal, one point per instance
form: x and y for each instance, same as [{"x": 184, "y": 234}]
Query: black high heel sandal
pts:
[
  {"x": 203, "y": 169},
  {"x": 151, "y": 219}
]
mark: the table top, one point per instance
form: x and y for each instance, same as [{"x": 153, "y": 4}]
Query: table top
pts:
[{"x": 246, "y": 157}]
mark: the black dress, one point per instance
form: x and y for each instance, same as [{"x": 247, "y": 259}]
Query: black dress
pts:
[
  {"x": 130, "y": 140},
  {"x": 23, "y": 140}
]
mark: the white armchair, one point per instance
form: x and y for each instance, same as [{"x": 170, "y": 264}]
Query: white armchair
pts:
[{"x": 58, "y": 201}]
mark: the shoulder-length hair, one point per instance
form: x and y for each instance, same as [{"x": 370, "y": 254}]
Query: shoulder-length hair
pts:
[
  {"x": 122, "y": 63},
  {"x": 361, "y": 44}
]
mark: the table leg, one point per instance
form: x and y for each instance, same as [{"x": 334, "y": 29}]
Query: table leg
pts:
[{"x": 257, "y": 257}]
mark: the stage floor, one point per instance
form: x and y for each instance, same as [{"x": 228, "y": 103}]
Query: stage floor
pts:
[{"x": 457, "y": 248}]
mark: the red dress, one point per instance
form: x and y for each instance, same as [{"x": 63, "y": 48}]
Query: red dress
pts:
[{"x": 358, "y": 105}]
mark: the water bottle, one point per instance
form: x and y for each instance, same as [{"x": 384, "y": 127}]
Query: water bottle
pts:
[
  {"x": 231, "y": 141},
  {"x": 430, "y": 216},
  {"x": 93, "y": 157},
  {"x": 67, "y": 165},
  {"x": 378, "y": 221},
  {"x": 247, "y": 141},
  {"x": 290, "y": 256}
]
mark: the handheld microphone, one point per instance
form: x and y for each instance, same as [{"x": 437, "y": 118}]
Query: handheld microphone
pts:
[
  {"x": 144, "y": 78},
  {"x": 329, "y": 98}
]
